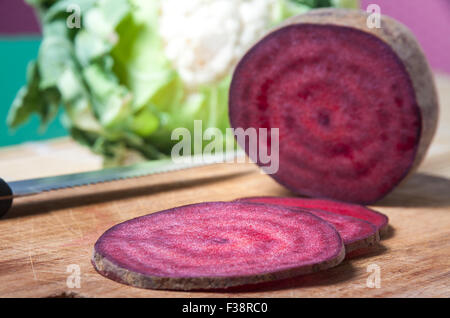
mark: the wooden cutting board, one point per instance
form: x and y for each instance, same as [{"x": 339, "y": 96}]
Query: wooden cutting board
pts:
[{"x": 47, "y": 238}]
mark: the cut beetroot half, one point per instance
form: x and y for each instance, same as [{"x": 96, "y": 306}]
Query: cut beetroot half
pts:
[
  {"x": 379, "y": 220},
  {"x": 216, "y": 245},
  {"x": 345, "y": 106}
]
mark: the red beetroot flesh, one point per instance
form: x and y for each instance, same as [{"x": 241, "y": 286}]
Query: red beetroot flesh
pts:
[
  {"x": 355, "y": 233},
  {"x": 218, "y": 240},
  {"x": 342, "y": 208},
  {"x": 344, "y": 104}
]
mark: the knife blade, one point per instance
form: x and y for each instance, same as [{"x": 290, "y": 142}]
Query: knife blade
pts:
[{"x": 11, "y": 190}]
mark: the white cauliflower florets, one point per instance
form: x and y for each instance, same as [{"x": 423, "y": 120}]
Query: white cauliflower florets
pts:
[{"x": 204, "y": 39}]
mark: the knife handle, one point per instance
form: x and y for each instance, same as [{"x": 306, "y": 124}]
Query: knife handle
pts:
[{"x": 5, "y": 191}]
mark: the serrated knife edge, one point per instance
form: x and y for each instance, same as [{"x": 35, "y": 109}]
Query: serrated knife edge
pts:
[{"x": 28, "y": 187}]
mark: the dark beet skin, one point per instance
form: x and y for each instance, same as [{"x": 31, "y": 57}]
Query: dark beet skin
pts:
[
  {"x": 216, "y": 245},
  {"x": 345, "y": 106},
  {"x": 379, "y": 220}
]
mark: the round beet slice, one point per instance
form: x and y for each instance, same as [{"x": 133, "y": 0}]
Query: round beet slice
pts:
[
  {"x": 379, "y": 220},
  {"x": 355, "y": 233},
  {"x": 216, "y": 245},
  {"x": 356, "y": 108}
]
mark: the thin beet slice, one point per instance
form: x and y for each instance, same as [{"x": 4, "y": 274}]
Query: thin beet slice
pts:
[
  {"x": 216, "y": 245},
  {"x": 356, "y": 108},
  {"x": 342, "y": 208},
  {"x": 355, "y": 233}
]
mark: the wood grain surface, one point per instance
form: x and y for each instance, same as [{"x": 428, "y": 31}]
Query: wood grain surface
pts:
[{"x": 44, "y": 235}]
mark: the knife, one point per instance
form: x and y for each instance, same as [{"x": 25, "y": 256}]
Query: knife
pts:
[{"x": 15, "y": 189}]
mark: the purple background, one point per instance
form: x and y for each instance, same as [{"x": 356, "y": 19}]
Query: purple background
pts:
[
  {"x": 430, "y": 22},
  {"x": 428, "y": 19}
]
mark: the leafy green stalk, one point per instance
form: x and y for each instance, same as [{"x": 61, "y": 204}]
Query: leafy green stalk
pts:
[{"x": 119, "y": 92}]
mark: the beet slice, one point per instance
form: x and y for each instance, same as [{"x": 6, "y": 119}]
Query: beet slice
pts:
[
  {"x": 355, "y": 233},
  {"x": 379, "y": 220},
  {"x": 216, "y": 245},
  {"x": 356, "y": 107}
]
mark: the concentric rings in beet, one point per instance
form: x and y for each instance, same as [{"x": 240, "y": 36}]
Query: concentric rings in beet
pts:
[
  {"x": 345, "y": 106},
  {"x": 216, "y": 245}
]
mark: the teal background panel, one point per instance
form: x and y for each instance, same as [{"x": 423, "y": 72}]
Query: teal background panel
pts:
[{"x": 15, "y": 53}]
